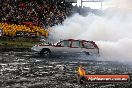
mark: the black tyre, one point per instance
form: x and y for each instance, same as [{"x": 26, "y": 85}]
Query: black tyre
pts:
[{"x": 45, "y": 53}]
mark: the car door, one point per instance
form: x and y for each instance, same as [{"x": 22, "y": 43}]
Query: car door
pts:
[
  {"x": 75, "y": 47},
  {"x": 62, "y": 48}
]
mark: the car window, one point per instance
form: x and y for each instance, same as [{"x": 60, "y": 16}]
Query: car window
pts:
[
  {"x": 64, "y": 43},
  {"x": 88, "y": 45},
  {"x": 75, "y": 44},
  {"x": 67, "y": 43}
]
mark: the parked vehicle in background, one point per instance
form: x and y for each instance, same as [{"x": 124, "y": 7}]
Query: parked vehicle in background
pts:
[{"x": 67, "y": 47}]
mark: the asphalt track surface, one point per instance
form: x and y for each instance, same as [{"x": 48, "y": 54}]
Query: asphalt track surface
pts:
[{"x": 27, "y": 70}]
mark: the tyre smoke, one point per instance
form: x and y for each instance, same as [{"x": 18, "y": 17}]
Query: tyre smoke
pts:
[{"x": 112, "y": 31}]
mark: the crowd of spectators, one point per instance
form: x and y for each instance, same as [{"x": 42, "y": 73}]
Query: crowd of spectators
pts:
[
  {"x": 13, "y": 30},
  {"x": 40, "y": 12},
  {"x": 44, "y": 13}
]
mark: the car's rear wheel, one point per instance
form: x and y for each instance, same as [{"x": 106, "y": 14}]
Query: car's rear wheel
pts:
[{"x": 45, "y": 53}]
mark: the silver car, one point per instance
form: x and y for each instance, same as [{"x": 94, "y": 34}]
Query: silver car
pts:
[{"x": 67, "y": 47}]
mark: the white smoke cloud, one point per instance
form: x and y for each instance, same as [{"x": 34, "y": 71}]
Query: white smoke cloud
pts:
[
  {"x": 111, "y": 31},
  {"x": 127, "y": 4},
  {"x": 117, "y": 51}
]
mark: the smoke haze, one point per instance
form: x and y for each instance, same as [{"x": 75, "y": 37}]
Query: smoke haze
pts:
[{"x": 112, "y": 31}]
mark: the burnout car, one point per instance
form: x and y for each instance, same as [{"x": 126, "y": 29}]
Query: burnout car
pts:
[{"x": 67, "y": 47}]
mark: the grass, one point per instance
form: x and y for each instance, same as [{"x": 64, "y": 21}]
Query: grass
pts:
[{"x": 17, "y": 43}]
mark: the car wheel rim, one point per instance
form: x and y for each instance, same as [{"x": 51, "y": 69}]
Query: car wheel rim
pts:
[{"x": 46, "y": 53}]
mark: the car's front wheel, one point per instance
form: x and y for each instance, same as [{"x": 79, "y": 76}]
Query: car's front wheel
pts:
[{"x": 45, "y": 53}]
